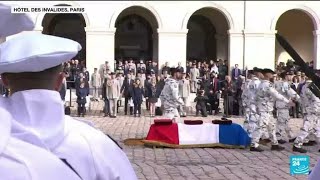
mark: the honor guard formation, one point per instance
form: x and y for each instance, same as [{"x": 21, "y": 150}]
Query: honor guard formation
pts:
[{"x": 38, "y": 141}]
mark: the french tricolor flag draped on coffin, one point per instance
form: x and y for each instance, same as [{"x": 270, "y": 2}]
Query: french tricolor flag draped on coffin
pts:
[{"x": 181, "y": 135}]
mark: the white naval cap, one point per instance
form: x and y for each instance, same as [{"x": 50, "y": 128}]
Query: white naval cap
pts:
[
  {"x": 34, "y": 52},
  {"x": 13, "y": 23}
]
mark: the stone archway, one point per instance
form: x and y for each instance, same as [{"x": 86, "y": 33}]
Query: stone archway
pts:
[
  {"x": 298, "y": 27},
  {"x": 207, "y": 37},
  {"x": 71, "y": 26},
  {"x": 136, "y": 34}
]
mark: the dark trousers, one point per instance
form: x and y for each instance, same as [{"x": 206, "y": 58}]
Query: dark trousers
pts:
[
  {"x": 295, "y": 111},
  {"x": 228, "y": 105},
  {"x": 203, "y": 111},
  {"x": 106, "y": 108},
  {"x": 137, "y": 108},
  {"x": 214, "y": 103},
  {"x": 147, "y": 104},
  {"x": 126, "y": 104},
  {"x": 81, "y": 108}
]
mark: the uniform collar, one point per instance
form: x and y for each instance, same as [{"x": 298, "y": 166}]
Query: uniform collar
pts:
[
  {"x": 40, "y": 112},
  {"x": 5, "y": 125}
]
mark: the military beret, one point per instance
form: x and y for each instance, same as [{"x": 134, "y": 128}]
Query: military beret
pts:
[
  {"x": 250, "y": 71},
  {"x": 173, "y": 70},
  {"x": 112, "y": 73},
  {"x": 283, "y": 74},
  {"x": 264, "y": 71},
  {"x": 255, "y": 69}
]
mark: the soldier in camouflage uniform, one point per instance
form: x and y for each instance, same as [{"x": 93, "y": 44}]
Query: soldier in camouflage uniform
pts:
[
  {"x": 311, "y": 105},
  {"x": 265, "y": 98},
  {"x": 169, "y": 96},
  {"x": 284, "y": 132},
  {"x": 249, "y": 95},
  {"x": 245, "y": 102}
]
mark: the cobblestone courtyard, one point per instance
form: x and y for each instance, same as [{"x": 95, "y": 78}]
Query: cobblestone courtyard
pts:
[{"x": 199, "y": 163}]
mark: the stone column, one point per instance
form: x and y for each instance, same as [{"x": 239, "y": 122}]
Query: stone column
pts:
[
  {"x": 99, "y": 47},
  {"x": 172, "y": 47},
  {"x": 316, "y": 56},
  {"x": 235, "y": 49},
  {"x": 260, "y": 49}
]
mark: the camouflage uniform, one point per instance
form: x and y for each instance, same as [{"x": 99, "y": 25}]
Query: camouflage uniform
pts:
[
  {"x": 265, "y": 98},
  {"x": 250, "y": 105},
  {"x": 283, "y": 130},
  {"x": 311, "y": 105},
  {"x": 170, "y": 98},
  {"x": 245, "y": 104}
]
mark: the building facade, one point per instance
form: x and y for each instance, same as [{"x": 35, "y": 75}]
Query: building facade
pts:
[{"x": 242, "y": 32}]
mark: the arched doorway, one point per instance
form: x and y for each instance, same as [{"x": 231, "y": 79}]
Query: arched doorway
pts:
[
  {"x": 207, "y": 37},
  {"x": 136, "y": 35},
  {"x": 71, "y": 26},
  {"x": 297, "y": 27}
]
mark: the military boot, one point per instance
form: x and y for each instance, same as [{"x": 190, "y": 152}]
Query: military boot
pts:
[
  {"x": 292, "y": 140},
  {"x": 281, "y": 141},
  {"x": 277, "y": 148},
  {"x": 256, "y": 149},
  {"x": 310, "y": 143},
  {"x": 300, "y": 150}
]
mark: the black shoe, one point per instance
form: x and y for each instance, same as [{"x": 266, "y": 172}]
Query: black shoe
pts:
[
  {"x": 300, "y": 150},
  {"x": 183, "y": 116},
  {"x": 281, "y": 141},
  {"x": 292, "y": 140},
  {"x": 313, "y": 142},
  {"x": 310, "y": 143},
  {"x": 277, "y": 148},
  {"x": 257, "y": 149}
]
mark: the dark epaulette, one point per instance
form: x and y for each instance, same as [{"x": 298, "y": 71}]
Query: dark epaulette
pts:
[{"x": 114, "y": 141}]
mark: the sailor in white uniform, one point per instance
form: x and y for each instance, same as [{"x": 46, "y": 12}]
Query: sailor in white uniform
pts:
[
  {"x": 31, "y": 66},
  {"x": 20, "y": 160}
]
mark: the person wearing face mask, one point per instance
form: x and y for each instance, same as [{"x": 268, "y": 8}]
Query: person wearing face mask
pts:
[{"x": 265, "y": 99}]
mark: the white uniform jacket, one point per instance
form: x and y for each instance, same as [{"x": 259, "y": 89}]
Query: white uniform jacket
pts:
[
  {"x": 20, "y": 160},
  {"x": 90, "y": 153}
]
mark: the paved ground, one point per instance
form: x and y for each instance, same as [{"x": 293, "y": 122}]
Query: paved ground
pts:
[{"x": 199, "y": 163}]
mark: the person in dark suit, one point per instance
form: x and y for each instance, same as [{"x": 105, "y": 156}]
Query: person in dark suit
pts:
[
  {"x": 214, "y": 93},
  {"x": 125, "y": 91},
  {"x": 296, "y": 109},
  {"x": 205, "y": 84},
  {"x": 106, "y": 108},
  {"x": 86, "y": 74},
  {"x": 165, "y": 68},
  {"x": 236, "y": 72},
  {"x": 152, "y": 94},
  {"x": 201, "y": 105},
  {"x": 137, "y": 93},
  {"x": 180, "y": 68},
  {"x": 81, "y": 99},
  {"x": 228, "y": 93}
]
